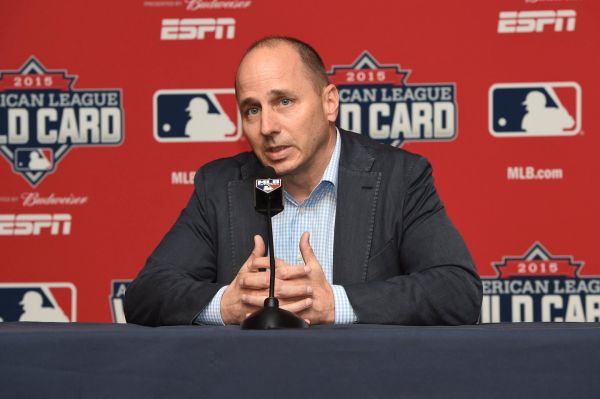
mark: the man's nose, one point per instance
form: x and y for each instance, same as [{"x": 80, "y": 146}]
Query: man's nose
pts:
[{"x": 268, "y": 122}]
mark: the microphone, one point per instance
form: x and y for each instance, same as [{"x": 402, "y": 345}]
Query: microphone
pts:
[
  {"x": 268, "y": 200},
  {"x": 268, "y": 193}
]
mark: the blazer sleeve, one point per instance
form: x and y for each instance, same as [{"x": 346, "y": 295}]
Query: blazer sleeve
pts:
[
  {"x": 436, "y": 281},
  {"x": 179, "y": 278}
]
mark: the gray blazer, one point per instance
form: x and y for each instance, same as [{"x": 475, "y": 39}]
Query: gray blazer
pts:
[{"x": 398, "y": 256}]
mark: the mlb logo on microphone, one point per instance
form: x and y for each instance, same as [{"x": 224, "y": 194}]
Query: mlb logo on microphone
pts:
[
  {"x": 535, "y": 109},
  {"x": 198, "y": 115},
  {"x": 33, "y": 159},
  {"x": 268, "y": 185},
  {"x": 43, "y": 302}
]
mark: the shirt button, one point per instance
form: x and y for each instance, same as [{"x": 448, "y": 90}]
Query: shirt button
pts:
[
  {"x": 299, "y": 258},
  {"x": 301, "y": 211}
]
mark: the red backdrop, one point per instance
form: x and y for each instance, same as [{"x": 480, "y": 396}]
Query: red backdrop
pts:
[{"x": 525, "y": 199}]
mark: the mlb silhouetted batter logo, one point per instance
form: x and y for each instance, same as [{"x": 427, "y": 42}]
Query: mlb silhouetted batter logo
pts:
[
  {"x": 34, "y": 159},
  {"x": 535, "y": 109},
  {"x": 42, "y": 302},
  {"x": 203, "y": 115},
  {"x": 42, "y": 117},
  {"x": 206, "y": 126},
  {"x": 33, "y": 309},
  {"x": 540, "y": 117},
  {"x": 376, "y": 100}
]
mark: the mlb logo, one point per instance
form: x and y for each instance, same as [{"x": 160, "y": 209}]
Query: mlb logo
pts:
[
  {"x": 535, "y": 109},
  {"x": 268, "y": 185},
  {"x": 43, "y": 302},
  {"x": 201, "y": 115},
  {"x": 33, "y": 160},
  {"x": 117, "y": 300}
]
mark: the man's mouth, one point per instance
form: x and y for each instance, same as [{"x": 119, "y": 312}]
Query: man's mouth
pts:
[{"x": 279, "y": 152}]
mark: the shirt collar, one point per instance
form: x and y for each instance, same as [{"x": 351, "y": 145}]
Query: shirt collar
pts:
[{"x": 331, "y": 172}]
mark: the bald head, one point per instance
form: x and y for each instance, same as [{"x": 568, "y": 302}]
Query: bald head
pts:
[{"x": 310, "y": 59}]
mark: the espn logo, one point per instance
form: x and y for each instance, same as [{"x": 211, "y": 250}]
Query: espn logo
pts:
[
  {"x": 35, "y": 224},
  {"x": 197, "y": 28},
  {"x": 536, "y": 21}
]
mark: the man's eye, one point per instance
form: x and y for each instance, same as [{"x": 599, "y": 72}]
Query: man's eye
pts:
[
  {"x": 252, "y": 111},
  {"x": 286, "y": 101}
]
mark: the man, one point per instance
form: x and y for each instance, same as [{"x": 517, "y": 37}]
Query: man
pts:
[{"x": 363, "y": 236}]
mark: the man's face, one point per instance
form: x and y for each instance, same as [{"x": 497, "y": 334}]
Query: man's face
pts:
[{"x": 284, "y": 118}]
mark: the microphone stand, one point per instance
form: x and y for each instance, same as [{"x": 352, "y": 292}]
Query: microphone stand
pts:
[
  {"x": 271, "y": 316},
  {"x": 268, "y": 218}
]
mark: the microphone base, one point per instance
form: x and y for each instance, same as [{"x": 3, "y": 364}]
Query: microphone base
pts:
[{"x": 272, "y": 317}]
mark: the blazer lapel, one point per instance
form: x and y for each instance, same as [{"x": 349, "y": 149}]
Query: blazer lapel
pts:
[
  {"x": 357, "y": 192},
  {"x": 244, "y": 221}
]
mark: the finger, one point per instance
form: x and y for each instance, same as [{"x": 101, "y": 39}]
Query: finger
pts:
[
  {"x": 257, "y": 251},
  {"x": 255, "y": 281},
  {"x": 259, "y": 264},
  {"x": 291, "y": 272},
  {"x": 259, "y": 246},
  {"x": 283, "y": 290},
  {"x": 253, "y": 300},
  {"x": 264, "y": 262},
  {"x": 298, "y": 306},
  {"x": 306, "y": 250}
]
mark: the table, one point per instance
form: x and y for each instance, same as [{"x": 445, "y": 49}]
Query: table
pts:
[{"x": 560, "y": 360}]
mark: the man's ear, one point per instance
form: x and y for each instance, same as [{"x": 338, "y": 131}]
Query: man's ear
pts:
[{"x": 331, "y": 102}]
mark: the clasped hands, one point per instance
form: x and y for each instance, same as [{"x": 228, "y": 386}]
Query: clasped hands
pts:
[{"x": 302, "y": 290}]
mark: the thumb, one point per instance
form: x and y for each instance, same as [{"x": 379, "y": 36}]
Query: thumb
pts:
[
  {"x": 257, "y": 251},
  {"x": 259, "y": 247},
  {"x": 306, "y": 250}
]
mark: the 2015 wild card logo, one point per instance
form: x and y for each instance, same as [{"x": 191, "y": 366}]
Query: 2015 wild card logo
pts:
[
  {"x": 117, "y": 298},
  {"x": 42, "y": 117},
  {"x": 375, "y": 100},
  {"x": 539, "y": 286}
]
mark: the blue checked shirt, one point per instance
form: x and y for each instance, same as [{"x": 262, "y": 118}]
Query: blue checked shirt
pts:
[{"x": 317, "y": 216}]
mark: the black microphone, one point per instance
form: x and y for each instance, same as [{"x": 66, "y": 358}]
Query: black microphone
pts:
[
  {"x": 268, "y": 193},
  {"x": 268, "y": 200}
]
